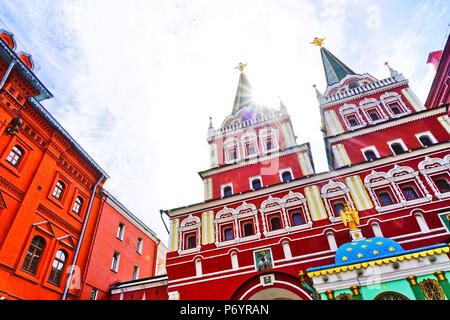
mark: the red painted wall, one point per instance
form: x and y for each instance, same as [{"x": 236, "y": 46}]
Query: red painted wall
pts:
[{"x": 105, "y": 243}]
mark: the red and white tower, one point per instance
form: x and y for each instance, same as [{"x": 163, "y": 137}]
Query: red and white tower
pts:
[{"x": 267, "y": 214}]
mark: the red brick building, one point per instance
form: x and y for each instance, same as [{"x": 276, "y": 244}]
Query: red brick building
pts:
[
  {"x": 56, "y": 222},
  {"x": 123, "y": 249}
]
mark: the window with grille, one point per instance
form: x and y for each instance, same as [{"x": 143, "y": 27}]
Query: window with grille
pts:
[
  {"x": 228, "y": 234},
  {"x": 191, "y": 242},
  {"x": 15, "y": 156},
  {"x": 57, "y": 267},
  {"x": 275, "y": 223},
  {"x": 77, "y": 205},
  {"x": 297, "y": 218},
  {"x": 33, "y": 255},
  {"x": 442, "y": 184},
  {"x": 59, "y": 190},
  {"x": 248, "y": 229},
  {"x": 410, "y": 193},
  {"x": 385, "y": 198}
]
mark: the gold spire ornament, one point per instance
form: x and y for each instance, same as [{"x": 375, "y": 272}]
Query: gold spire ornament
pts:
[
  {"x": 318, "y": 42},
  {"x": 241, "y": 66}
]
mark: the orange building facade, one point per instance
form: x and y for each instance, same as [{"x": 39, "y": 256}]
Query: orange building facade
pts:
[{"x": 55, "y": 218}]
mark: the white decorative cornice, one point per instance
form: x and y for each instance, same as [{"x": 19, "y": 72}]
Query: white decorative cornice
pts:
[{"x": 381, "y": 126}]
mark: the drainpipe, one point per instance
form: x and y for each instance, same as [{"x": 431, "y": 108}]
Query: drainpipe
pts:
[
  {"x": 77, "y": 250},
  {"x": 8, "y": 71},
  {"x": 167, "y": 213}
]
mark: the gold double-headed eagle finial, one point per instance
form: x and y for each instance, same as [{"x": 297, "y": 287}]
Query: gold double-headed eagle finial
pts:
[
  {"x": 318, "y": 41},
  {"x": 350, "y": 217},
  {"x": 241, "y": 66}
]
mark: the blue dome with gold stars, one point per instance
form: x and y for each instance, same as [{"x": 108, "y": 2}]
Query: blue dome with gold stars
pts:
[{"x": 366, "y": 249}]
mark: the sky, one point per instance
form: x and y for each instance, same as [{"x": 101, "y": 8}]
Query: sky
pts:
[{"x": 135, "y": 81}]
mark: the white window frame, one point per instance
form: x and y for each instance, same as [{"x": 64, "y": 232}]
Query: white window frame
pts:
[
  {"x": 264, "y": 134},
  {"x": 390, "y": 97},
  {"x": 289, "y": 169},
  {"x": 140, "y": 245},
  {"x": 370, "y": 148},
  {"x": 251, "y": 138},
  {"x": 231, "y": 143},
  {"x": 428, "y": 134},
  {"x": 399, "y": 140},
  {"x": 223, "y": 186},
  {"x": 136, "y": 270},
  {"x": 121, "y": 231},
  {"x": 250, "y": 180},
  {"x": 115, "y": 262},
  {"x": 189, "y": 224}
]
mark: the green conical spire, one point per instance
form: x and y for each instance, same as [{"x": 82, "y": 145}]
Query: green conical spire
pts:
[
  {"x": 335, "y": 69},
  {"x": 244, "y": 91}
]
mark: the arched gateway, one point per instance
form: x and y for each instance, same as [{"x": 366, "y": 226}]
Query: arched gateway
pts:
[{"x": 271, "y": 286}]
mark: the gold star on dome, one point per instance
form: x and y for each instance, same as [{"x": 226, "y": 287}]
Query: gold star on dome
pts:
[{"x": 318, "y": 42}]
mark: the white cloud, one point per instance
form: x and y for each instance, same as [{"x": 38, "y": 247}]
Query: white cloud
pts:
[{"x": 135, "y": 81}]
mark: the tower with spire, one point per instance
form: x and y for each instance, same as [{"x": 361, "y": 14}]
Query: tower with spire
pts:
[
  {"x": 254, "y": 147},
  {"x": 365, "y": 119}
]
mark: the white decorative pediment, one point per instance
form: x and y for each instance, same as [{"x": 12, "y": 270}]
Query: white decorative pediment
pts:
[
  {"x": 270, "y": 203},
  {"x": 398, "y": 171},
  {"x": 333, "y": 186},
  {"x": 387, "y": 95},
  {"x": 347, "y": 107},
  {"x": 368, "y": 101},
  {"x": 245, "y": 208},
  {"x": 375, "y": 177},
  {"x": 431, "y": 163},
  {"x": 225, "y": 213},
  {"x": 190, "y": 221},
  {"x": 293, "y": 197}
]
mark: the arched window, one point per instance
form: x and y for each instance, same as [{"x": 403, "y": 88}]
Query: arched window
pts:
[
  {"x": 426, "y": 140},
  {"x": 57, "y": 267},
  {"x": 227, "y": 191},
  {"x": 33, "y": 255},
  {"x": 77, "y": 205},
  {"x": 352, "y": 121},
  {"x": 297, "y": 218},
  {"x": 338, "y": 206},
  {"x": 228, "y": 234},
  {"x": 59, "y": 190},
  {"x": 410, "y": 193},
  {"x": 15, "y": 156},
  {"x": 286, "y": 176},
  {"x": 385, "y": 198},
  {"x": 370, "y": 155},
  {"x": 432, "y": 290},
  {"x": 374, "y": 116},
  {"x": 191, "y": 241},
  {"x": 248, "y": 229},
  {"x": 397, "y": 148},
  {"x": 442, "y": 184},
  {"x": 275, "y": 223},
  {"x": 256, "y": 184},
  {"x": 390, "y": 295}
]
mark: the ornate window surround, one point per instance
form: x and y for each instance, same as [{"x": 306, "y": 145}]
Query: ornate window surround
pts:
[
  {"x": 228, "y": 215},
  {"x": 251, "y": 138},
  {"x": 269, "y": 208},
  {"x": 371, "y": 103},
  {"x": 351, "y": 110},
  {"x": 389, "y": 97},
  {"x": 189, "y": 224},
  {"x": 296, "y": 200},
  {"x": 264, "y": 134},
  {"x": 435, "y": 166},
  {"x": 399, "y": 174},
  {"x": 231, "y": 143},
  {"x": 334, "y": 190}
]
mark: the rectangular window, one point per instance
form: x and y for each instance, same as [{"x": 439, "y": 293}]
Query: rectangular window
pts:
[
  {"x": 135, "y": 272},
  {"x": 120, "y": 231},
  {"x": 94, "y": 293},
  {"x": 139, "y": 245},
  {"x": 115, "y": 261}
]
